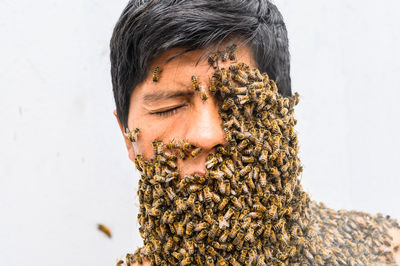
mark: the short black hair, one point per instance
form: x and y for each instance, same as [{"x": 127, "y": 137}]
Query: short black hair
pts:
[{"x": 147, "y": 28}]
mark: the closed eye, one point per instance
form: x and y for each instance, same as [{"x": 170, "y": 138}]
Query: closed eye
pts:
[{"x": 169, "y": 112}]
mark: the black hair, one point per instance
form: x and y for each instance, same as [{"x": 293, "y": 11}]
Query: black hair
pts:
[{"x": 147, "y": 28}]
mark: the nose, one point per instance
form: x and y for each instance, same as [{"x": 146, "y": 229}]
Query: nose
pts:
[{"x": 205, "y": 128}]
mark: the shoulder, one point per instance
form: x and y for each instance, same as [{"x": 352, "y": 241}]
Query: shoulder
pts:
[
  {"x": 145, "y": 263},
  {"x": 395, "y": 245}
]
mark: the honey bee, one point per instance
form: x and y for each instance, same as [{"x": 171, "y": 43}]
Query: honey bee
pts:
[
  {"x": 196, "y": 152},
  {"x": 211, "y": 251},
  {"x": 204, "y": 95},
  {"x": 223, "y": 224},
  {"x": 224, "y": 76},
  {"x": 243, "y": 255},
  {"x": 228, "y": 214},
  {"x": 232, "y": 50},
  {"x": 213, "y": 59},
  {"x": 156, "y": 74},
  {"x": 236, "y": 203},
  {"x": 195, "y": 83},
  {"x": 209, "y": 261},
  {"x": 197, "y": 209},
  {"x": 120, "y": 262},
  {"x": 189, "y": 228},
  {"x": 224, "y": 236},
  {"x": 242, "y": 99},
  {"x": 211, "y": 162},
  {"x": 186, "y": 261},
  {"x": 104, "y": 229},
  {"x": 131, "y": 135}
]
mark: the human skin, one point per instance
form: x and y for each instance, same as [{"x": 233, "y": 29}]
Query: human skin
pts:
[{"x": 185, "y": 115}]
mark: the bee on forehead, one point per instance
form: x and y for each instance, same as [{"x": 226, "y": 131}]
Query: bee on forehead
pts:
[
  {"x": 156, "y": 74},
  {"x": 212, "y": 85},
  {"x": 204, "y": 95},
  {"x": 213, "y": 59},
  {"x": 195, "y": 83}
]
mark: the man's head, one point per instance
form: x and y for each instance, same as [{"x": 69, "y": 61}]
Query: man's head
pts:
[
  {"x": 148, "y": 28},
  {"x": 151, "y": 33}
]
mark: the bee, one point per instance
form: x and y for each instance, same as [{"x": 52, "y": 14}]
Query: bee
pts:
[
  {"x": 104, "y": 229},
  {"x": 120, "y": 262},
  {"x": 224, "y": 76},
  {"x": 245, "y": 170},
  {"x": 158, "y": 189},
  {"x": 243, "y": 255},
  {"x": 211, "y": 251},
  {"x": 227, "y": 104},
  {"x": 131, "y": 135},
  {"x": 263, "y": 179},
  {"x": 234, "y": 262},
  {"x": 213, "y": 231},
  {"x": 236, "y": 202},
  {"x": 242, "y": 99},
  {"x": 209, "y": 261},
  {"x": 248, "y": 159},
  {"x": 232, "y": 50},
  {"x": 189, "y": 228},
  {"x": 156, "y": 74},
  {"x": 213, "y": 59},
  {"x": 222, "y": 221},
  {"x": 180, "y": 205},
  {"x": 207, "y": 194},
  {"x": 212, "y": 87},
  {"x": 171, "y": 194},
  {"x": 211, "y": 162},
  {"x": 274, "y": 172},
  {"x": 218, "y": 175},
  {"x": 197, "y": 208},
  {"x": 224, "y": 55},
  {"x": 229, "y": 213},
  {"x": 186, "y": 261},
  {"x": 200, "y": 226},
  {"x": 204, "y": 95},
  {"x": 194, "y": 188},
  {"x": 235, "y": 229},
  {"x": 195, "y": 83},
  {"x": 240, "y": 90},
  {"x": 154, "y": 212},
  {"x": 272, "y": 210},
  {"x": 224, "y": 236}
]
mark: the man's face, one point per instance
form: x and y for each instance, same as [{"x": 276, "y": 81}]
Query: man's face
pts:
[{"x": 171, "y": 108}]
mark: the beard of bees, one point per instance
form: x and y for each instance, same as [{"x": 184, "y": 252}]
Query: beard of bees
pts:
[
  {"x": 250, "y": 206},
  {"x": 250, "y": 199}
]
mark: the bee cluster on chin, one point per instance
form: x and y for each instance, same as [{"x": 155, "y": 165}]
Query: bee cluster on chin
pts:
[{"x": 249, "y": 208}]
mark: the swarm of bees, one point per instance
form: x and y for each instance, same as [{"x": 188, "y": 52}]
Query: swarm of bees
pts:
[{"x": 249, "y": 208}]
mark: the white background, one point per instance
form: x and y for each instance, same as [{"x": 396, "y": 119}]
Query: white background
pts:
[{"x": 63, "y": 164}]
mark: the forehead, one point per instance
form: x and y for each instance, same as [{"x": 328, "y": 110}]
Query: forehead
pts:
[{"x": 177, "y": 73}]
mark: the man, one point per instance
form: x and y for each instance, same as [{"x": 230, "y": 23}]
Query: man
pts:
[{"x": 156, "y": 50}]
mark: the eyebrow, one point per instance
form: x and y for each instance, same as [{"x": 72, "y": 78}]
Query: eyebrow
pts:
[{"x": 165, "y": 95}]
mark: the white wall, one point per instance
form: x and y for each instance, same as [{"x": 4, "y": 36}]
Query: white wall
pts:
[{"x": 63, "y": 165}]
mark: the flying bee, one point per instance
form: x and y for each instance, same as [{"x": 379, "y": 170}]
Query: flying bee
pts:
[
  {"x": 104, "y": 229},
  {"x": 156, "y": 74},
  {"x": 120, "y": 262},
  {"x": 195, "y": 83},
  {"x": 131, "y": 135}
]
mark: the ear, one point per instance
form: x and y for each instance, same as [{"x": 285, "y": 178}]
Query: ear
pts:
[{"x": 128, "y": 143}]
